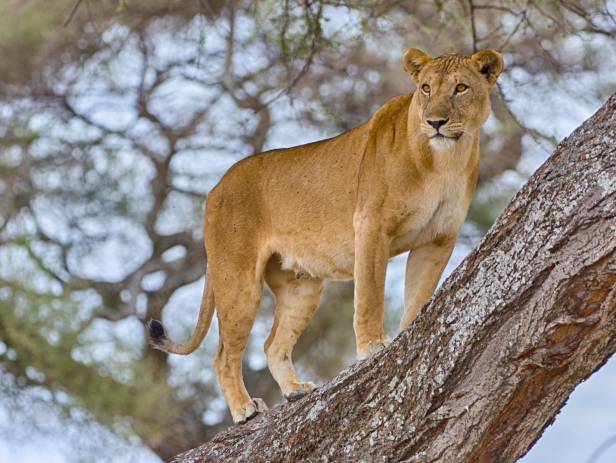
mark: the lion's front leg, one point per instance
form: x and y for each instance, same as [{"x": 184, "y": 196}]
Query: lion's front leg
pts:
[
  {"x": 423, "y": 270},
  {"x": 371, "y": 254}
]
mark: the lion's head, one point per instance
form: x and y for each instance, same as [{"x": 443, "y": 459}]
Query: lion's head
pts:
[{"x": 452, "y": 92}]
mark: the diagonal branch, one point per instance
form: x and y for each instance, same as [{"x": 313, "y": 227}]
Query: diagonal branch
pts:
[{"x": 494, "y": 355}]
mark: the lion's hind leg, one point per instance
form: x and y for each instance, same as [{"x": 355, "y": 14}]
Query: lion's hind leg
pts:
[
  {"x": 297, "y": 298},
  {"x": 237, "y": 302}
]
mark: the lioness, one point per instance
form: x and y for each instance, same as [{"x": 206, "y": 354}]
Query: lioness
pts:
[{"x": 339, "y": 209}]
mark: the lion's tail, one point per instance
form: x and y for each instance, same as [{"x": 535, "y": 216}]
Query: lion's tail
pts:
[{"x": 159, "y": 339}]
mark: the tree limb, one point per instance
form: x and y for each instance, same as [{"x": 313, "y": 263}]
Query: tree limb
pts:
[{"x": 494, "y": 355}]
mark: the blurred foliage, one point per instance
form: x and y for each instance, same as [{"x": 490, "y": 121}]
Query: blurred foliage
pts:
[
  {"x": 116, "y": 118},
  {"x": 487, "y": 206},
  {"x": 39, "y": 329},
  {"x": 25, "y": 29}
]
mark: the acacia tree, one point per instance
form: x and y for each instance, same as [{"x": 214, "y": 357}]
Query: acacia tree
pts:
[
  {"x": 497, "y": 351},
  {"x": 114, "y": 127}
]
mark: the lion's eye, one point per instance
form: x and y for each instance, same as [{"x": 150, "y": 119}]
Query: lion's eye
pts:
[
  {"x": 425, "y": 88},
  {"x": 461, "y": 88}
]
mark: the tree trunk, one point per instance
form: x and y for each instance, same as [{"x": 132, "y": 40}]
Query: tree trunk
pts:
[{"x": 497, "y": 351}]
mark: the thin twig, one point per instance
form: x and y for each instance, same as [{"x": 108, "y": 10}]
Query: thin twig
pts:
[
  {"x": 605, "y": 445},
  {"x": 72, "y": 13},
  {"x": 473, "y": 29},
  {"x": 534, "y": 133}
]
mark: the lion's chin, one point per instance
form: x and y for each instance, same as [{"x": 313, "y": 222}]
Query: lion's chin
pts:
[{"x": 441, "y": 143}]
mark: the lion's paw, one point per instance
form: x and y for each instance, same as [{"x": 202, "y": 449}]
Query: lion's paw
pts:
[
  {"x": 250, "y": 410},
  {"x": 371, "y": 348},
  {"x": 301, "y": 391}
]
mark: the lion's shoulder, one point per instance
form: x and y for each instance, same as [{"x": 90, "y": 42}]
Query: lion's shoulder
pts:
[{"x": 392, "y": 108}]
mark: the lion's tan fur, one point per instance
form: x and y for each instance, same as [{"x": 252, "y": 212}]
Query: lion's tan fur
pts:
[{"x": 339, "y": 209}]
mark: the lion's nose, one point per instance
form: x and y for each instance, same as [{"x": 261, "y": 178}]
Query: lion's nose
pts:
[{"x": 437, "y": 123}]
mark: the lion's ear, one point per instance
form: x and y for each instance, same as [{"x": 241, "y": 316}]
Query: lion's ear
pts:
[
  {"x": 489, "y": 63},
  {"x": 414, "y": 60}
]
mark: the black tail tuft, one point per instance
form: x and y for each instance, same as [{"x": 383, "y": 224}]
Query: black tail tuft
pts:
[{"x": 156, "y": 332}]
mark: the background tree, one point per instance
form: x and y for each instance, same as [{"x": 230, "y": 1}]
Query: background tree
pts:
[{"x": 117, "y": 117}]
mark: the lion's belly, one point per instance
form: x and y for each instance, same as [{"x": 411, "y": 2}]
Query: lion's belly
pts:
[
  {"x": 318, "y": 266},
  {"x": 319, "y": 260}
]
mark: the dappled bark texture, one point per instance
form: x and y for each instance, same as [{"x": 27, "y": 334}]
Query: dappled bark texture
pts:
[{"x": 494, "y": 355}]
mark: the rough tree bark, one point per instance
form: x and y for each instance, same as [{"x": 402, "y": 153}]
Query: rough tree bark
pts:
[{"x": 497, "y": 351}]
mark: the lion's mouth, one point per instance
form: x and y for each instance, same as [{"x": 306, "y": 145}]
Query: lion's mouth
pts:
[{"x": 441, "y": 136}]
